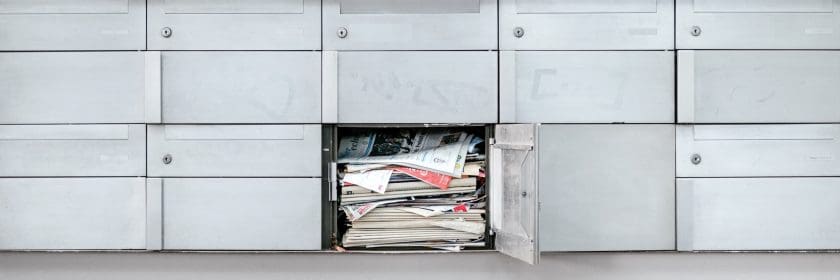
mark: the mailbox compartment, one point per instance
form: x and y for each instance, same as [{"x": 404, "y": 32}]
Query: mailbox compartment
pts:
[
  {"x": 606, "y": 187},
  {"x": 72, "y": 150},
  {"x": 508, "y": 202},
  {"x": 758, "y": 86},
  {"x": 240, "y": 87},
  {"x": 410, "y": 25},
  {"x": 758, "y": 150},
  {"x": 71, "y": 87},
  {"x": 758, "y": 24},
  {"x": 737, "y": 214},
  {"x": 234, "y": 150},
  {"x": 234, "y": 25},
  {"x": 410, "y": 87},
  {"x": 241, "y": 213},
  {"x": 27, "y": 25},
  {"x": 586, "y": 25},
  {"x": 586, "y": 87},
  {"x": 72, "y": 214}
]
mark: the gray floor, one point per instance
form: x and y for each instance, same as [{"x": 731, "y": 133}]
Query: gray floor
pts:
[{"x": 484, "y": 266}]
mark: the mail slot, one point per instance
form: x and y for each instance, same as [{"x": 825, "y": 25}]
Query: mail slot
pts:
[
  {"x": 72, "y": 213},
  {"x": 594, "y": 196},
  {"x": 758, "y": 214},
  {"x": 410, "y": 25},
  {"x": 234, "y": 25},
  {"x": 759, "y": 86},
  {"x": 586, "y": 25},
  {"x": 234, "y": 150},
  {"x": 586, "y": 87},
  {"x": 758, "y": 150},
  {"x": 71, "y": 87},
  {"x": 241, "y": 213},
  {"x": 72, "y": 25},
  {"x": 72, "y": 150},
  {"x": 411, "y": 87},
  {"x": 241, "y": 87},
  {"x": 757, "y": 24}
]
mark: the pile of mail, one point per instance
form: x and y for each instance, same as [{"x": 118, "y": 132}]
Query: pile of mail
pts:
[{"x": 412, "y": 188}]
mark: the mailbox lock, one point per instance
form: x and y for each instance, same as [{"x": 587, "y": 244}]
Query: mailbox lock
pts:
[
  {"x": 342, "y": 32},
  {"x": 518, "y": 32},
  {"x": 695, "y": 31},
  {"x": 166, "y": 32},
  {"x": 524, "y": 194},
  {"x": 696, "y": 159},
  {"x": 167, "y": 159}
]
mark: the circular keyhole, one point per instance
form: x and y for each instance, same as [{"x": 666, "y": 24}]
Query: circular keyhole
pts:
[
  {"x": 342, "y": 32},
  {"x": 519, "y": 32},
  {"x": 167, "y": 159},
  {"x": 166, "y": 32},
  {"x": 695, "y": 31},
  {"x": 696, "y": 159}
]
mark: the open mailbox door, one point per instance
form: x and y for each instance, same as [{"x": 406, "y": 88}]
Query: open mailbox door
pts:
[{"x": 514, "y": 198}]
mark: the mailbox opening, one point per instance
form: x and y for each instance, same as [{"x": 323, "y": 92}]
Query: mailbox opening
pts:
[{"x": 401, "y": 188}]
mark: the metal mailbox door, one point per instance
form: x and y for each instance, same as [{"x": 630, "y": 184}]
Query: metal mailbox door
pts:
[
  {"x": 514, "y": 195},
  {"x": 72, "y": 213},
  {"x": 71, "y": 87},
  {"x": 758, "y": 24},
  {"x": 758, "y": 86},
  {"x": 758, "y": 150},
  {"x": 27, "y": 25},
  {"x": 606, "y": 187},
  {"x": 234, "y": 151},
  {"x": 72, "y": 150},
  {"x": 758, "y": 214},
  {"x": 241, "y": 213},
  {"x": 586, "y": 87},
  {"x": 241, "y": 87},
  {"x": 234, "y": 25},
  {"x": 410, "y": 25},
  {"x": 411, "y": 87},
  {"x": 586, "y": 25}
]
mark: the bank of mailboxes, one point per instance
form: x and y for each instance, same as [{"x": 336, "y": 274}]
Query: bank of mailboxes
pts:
[{"x": 200, "y": 126}]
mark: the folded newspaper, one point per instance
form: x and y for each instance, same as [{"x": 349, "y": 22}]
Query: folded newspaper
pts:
[{"x": 412, "y": 188}]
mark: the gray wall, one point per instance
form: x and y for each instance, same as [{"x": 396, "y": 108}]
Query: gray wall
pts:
[{"x": 485, "y": 266}]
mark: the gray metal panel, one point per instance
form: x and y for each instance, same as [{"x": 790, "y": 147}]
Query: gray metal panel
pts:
[
  {"x": 758, "y": 150},
  {"x": 242, "y": 214},
  {"x": 758, "y": 214},
  {"x": 241, "y": 87},
  {"x": 758, "y": 24},
  {"x": 71, "y": 87},
  {"x": 417, "y": 87},
  {"x": 72, "y": 150},
  {"x": 72, "y": 25},
  {"x": 591, "y": 87},
  {"x": 410, "y": 24},
  {"x": 606, "y": 187},
  {"x": 760, "y": 86},
  {"x": 514, "y": 191},
  {"x": 72, "y": 213},
  {"x": 587, "y": 24},
  {"x": 235, "y": 25},
  {"x": 235, "y": 150}
]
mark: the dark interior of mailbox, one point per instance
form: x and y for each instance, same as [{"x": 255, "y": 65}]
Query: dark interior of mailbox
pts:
[{"x": 410, "y": 188}]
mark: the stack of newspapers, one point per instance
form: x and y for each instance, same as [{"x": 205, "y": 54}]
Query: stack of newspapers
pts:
[{"x": 412, "y": 188}]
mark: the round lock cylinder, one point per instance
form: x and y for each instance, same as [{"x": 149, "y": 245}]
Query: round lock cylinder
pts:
[
  {"x": 518, "y": 32},
  {"x": 696, "y": 159},
  {"x": 166, "y": 32},
  {"x": 167, "y": 159},
  {"x": 342, "y": 32},
  {"x": 695, "y": 31}
]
